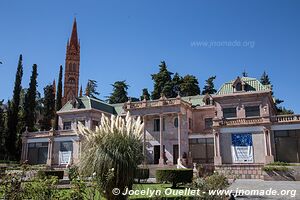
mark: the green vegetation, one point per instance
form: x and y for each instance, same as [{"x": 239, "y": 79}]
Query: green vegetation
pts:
[
  {"x": 174, "y": 176},
  {"x": 91, "y": 89},
  {"x": 58, "y": 103},
  {"x": 142, "y": 174},
  {"x": 119, "y": 94},
  {"x": 112, "y": 153},
  {"x": 269, "y": 168}
]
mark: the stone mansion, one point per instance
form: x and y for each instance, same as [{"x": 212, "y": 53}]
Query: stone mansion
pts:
[{"x": 236, "y": 128}]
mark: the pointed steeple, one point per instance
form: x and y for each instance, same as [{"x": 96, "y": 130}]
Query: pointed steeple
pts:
[{"x": 74, "y": 36}]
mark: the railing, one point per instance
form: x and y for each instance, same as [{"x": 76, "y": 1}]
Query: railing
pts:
[
  {"x": 242, "y": 121},
  {"x": 51, "y": 132},
  {"x": 155, "y": 103},
  {"x": 286, "y": 118}
]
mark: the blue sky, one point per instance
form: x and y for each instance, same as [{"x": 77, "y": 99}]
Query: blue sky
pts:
[{"x": 126, "y": 40}]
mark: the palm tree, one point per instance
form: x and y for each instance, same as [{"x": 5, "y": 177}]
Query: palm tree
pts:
[{"x": 112, "y": 153}]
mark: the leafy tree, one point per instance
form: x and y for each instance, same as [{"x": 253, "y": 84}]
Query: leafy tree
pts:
[
  {"x": 209, "y": 87},
  {"x": 189, "y": 86},
  {"x": 48, "y": 108},
  {"x": 177, "y": 81},
  {"x": 145, "y": 94},
  {"x": 30, "y": 100},
  {"x": 91, "y": 89},
  {"x": 13, "y": 114},
  {"x": 162, "y": 82},
  {"x": 58, "y": 103},
  {"x": 119, "y": 94}
]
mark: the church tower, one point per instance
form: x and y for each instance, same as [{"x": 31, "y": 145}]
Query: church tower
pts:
[{"x": 71, "y": 82}]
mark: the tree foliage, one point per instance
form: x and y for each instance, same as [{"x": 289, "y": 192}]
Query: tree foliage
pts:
[
  {"x": 48, "y": 108},
  {"x": 145, "y": 94},
  {"x": 162, "y": 82},
  {"x": 281, "y": 110},
  {"x": 189, "y": 86},
  {"x": 13, "y": 113},
  {"x": 91, "y": 89},
  {"x": 119, "y": 94},
  {"x": 30, "y": 101},
  {"x": 2, "y": 129},
  {"x": 209, "y": 87},
  {"x": 58, "y": 103}
]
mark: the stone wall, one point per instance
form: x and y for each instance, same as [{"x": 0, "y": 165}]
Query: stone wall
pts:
[{"x": 242, "y": 171}]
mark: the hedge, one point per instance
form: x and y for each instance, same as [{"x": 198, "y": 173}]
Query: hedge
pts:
[
  {"x": 142, "y": 173},
  {"x": 45, "y": 173},
  {"x": 174, "y": 176}
]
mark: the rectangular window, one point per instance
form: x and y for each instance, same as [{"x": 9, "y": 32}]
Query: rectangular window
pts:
[
  {"x": 202, "y": 150},
  {"x": 208, "y": 123},
  {"x": 252, "y": 111},
  {"x": 66, "y": 146},
  {"x": 67, "y": 125},
  {"x": 229, "y": 112},
  {"x": 157, "y": 124}
]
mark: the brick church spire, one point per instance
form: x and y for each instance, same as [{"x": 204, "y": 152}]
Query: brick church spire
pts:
[{"x": 72, "y": 62}]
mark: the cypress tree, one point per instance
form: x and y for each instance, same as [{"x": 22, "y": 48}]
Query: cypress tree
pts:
[
  {"x": 209, "y": 87},
  {"x": 189, "y": 86},
  {"x": 13, "y": 117},
  {"x": 162, "y": 82},
  {"x": 58, "y": 105},
  {"x": 2, "y": 130},
  {"x": 265, "y": 80},
  {"x": 48, "y": 108},
  {"x": 119, "y": 94},
  {"x": 30, "y": 101},
  {"x": 145, "y": 94}
]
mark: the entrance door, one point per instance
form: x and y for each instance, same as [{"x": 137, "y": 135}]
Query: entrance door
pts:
[
  {"x": 175, "y": 153},
  {"x": 157, "y": 153}
]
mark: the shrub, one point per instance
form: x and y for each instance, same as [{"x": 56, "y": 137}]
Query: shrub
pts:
[
  {"x": 174, "y": 176},
  {"x": 270, "y": 168},
  {"x": 279, "y": 163},
  {"x": 213, "y": 182},
  {"x": 48, "y": 173},
  {"x": 73, "y": 172},
  {"x": 142, "y": 173}
]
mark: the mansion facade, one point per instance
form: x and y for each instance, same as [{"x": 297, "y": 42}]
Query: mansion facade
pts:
[{"x": 237, "y": 128}]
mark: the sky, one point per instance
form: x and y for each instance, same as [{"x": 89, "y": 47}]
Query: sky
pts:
[{"x": 127, "y": 39}]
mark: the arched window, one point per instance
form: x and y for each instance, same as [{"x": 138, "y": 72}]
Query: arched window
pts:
[
  {"x": 70, "y": 67},
  {"x": 71, "y": 80},
  {"x": 176, "y": 122},
  {"x": 74, "y": 67}
]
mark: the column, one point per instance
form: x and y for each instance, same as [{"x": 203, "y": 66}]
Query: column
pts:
[
  {"x": 50, "y": 152},
  {"x": 268, "y": 148},
  {"x": 161, "y": 159},
  {"x": 217, "y": 158},
  {"x": 179, "y": 135}
]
